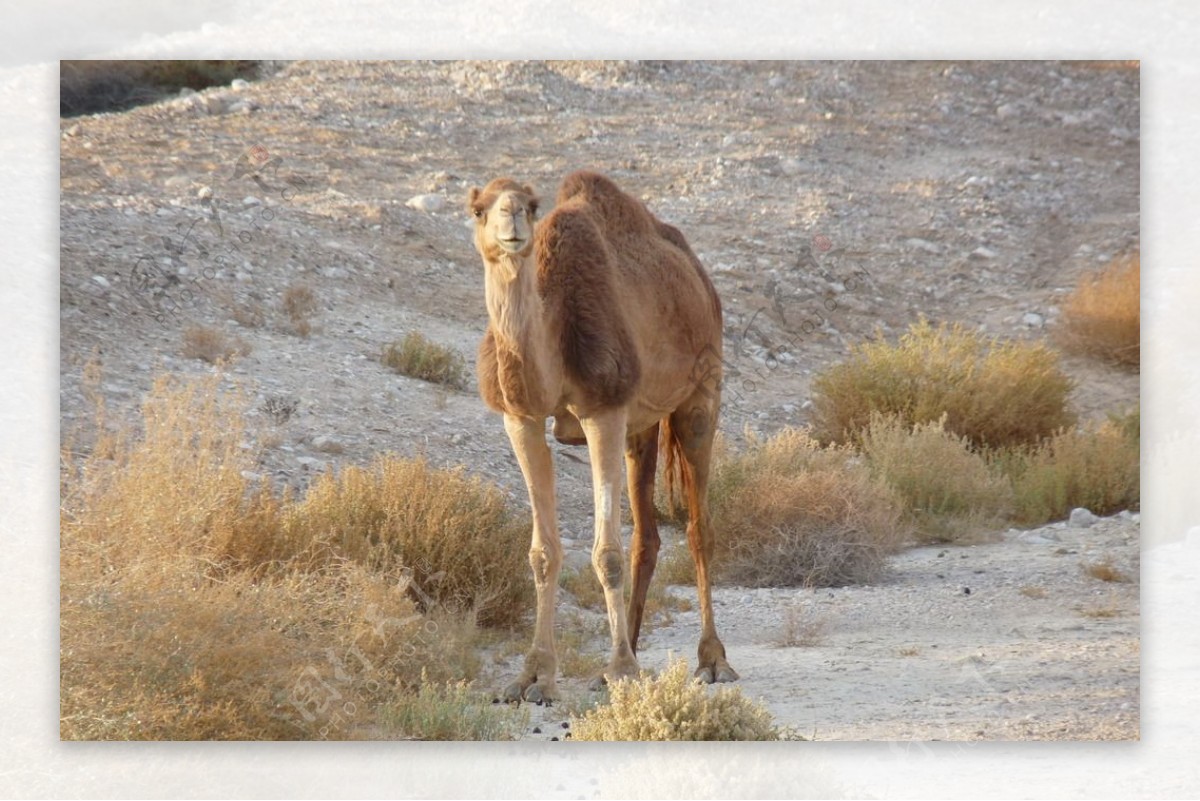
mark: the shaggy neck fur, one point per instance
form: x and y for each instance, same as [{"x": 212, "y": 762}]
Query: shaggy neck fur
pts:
[{"x": 518, "y": 321}]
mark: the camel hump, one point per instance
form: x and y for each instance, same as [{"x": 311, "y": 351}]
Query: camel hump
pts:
[
  {"x": 619, "y": 213},
  {"x": 575, "y": 277}
]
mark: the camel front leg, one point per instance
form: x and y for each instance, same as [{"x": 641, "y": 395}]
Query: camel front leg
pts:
[
  {"x": 528, "y": 436},
  {"x": 605, "y": 434}
]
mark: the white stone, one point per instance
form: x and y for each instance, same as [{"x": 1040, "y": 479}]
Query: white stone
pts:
[
  {"x": 239, "y": 84},
  {"x": 982, "y": 252},
  {"x": 1033, "y": 320},
  {"x": 250, "y": 200},
  {"x": 205, "y": 193},
  {"x": 426, "y": 203},
  {"x": 923, "y": 244},
  {"x": 1082, "y": 518},
  {"x": 101, "y": 280}
]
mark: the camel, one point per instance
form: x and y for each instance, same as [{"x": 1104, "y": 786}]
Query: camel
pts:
[{"x": 601, "y": 317}]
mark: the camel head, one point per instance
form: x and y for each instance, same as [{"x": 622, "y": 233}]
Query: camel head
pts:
[{"x": 504, "y": 212}]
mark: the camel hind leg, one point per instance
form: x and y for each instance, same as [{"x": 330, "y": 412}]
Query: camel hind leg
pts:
[
  {"x": 692, "y": 429},
  {"x": 641, "y": 463}
]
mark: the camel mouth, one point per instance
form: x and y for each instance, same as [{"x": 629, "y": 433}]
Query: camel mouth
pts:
[{"x": 512, "y": 245}]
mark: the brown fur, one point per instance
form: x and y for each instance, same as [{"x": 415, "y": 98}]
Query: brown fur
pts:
[{"x": 575, "y": 273}]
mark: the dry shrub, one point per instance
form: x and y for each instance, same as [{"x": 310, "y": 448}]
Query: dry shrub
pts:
[
  {"x": 1105, "y": 570},
  {"x": 951, "y": 492},
  {"x": 417, "y": 357},
  {"x": 211, "y": 345},
  {"x": 992, "y": 392},
  {"x": 166, "y": 635},
  {"x": 1102, "y": 317},
  {"x": 788, "y": 512},
  {"x": 802, "y": 628},
  {"x": 1096, "y": 467},
  {"x": 673, "y": 706},
  {"x": 452, "y": 535},
  {"x": 300, "y": 304},
  {"x": 86, "y": 87}
]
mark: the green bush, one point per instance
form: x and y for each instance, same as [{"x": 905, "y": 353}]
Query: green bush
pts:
[
  {"x": 1096, "y": 467},
  {"x": 452, "y": 711},
  {"x": 417, "y": 357},
  {"x": 951, "y": 491}
]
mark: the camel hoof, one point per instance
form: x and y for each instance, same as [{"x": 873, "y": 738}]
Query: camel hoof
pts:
[
  {"x": 716, "y": 674},
  {"x": 537, "y": 694},
  {"x": 597, "y": 684},
  {"x": 513, "y": 693}
]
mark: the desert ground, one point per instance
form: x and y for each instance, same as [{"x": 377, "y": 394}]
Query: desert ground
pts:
[{"x": 973, "y": 192}]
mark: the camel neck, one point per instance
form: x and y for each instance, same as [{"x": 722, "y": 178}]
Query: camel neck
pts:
[
  {"x": 519, "y": 325},
  {"x": 513, "y": 302}
]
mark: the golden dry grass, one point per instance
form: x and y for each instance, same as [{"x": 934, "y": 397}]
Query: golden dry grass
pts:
[
  {"x": 194, "y": 606},
  {"x": 417, "y": 357},
  {"x": 1102, "y": 317},
  {"x": 950, "y": 491},
  {"x": 993, "y": 392}
]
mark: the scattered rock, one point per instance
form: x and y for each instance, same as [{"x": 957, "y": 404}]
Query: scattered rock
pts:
[
  {"x": 327, "y": 445},
  {"x": 923, "y": 244},
  {"x": 790, "y": 166},
  {"x": 1033, "y": 320},
  {"x": 1082, "y": 518},
  {"x": 426, "y": 203},
  {"x": 101, "y": 280},
  {"x": 982, "y": 252}
]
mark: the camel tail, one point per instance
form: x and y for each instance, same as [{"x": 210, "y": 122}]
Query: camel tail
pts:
[{"x": 676, "y": 476}]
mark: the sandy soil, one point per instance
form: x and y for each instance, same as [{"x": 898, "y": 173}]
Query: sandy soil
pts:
[{"x": 973, "y": 192}]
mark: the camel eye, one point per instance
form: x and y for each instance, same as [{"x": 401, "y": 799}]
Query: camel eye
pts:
[{"x": 477, "y": 212}]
